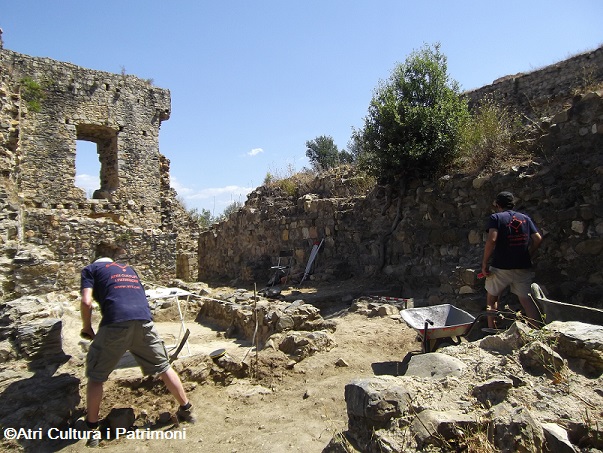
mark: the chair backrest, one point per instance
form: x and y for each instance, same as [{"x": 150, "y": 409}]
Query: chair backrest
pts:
[{"x": 286, "y": 256}]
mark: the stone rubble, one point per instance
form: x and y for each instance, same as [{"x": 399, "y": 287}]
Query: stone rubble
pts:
[{"x": 521, "y": 390}]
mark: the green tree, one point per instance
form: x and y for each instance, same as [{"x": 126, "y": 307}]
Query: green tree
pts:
[
  {"x": 355, "y": 146},
  {"x": 323, "y": 153},
  {"x": 412, "y": 129},
  {"x": 346, "y": 157},
  {"x": 414, "y": 120},
  {"x": 232, "y": 208},
  {"x": 203, "y": 217}
]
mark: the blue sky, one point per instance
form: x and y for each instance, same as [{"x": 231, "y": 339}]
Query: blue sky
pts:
[{"x": 252, "y": 81}]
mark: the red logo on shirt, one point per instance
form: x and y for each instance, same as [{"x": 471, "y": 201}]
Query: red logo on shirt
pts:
[{"x": 516, "y": 224}]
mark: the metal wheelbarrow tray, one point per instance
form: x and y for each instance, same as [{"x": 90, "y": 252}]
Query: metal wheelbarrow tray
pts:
[{"x": 438, "y": 322}]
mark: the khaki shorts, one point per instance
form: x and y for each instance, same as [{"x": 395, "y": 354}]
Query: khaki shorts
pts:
[
  {"x": 113, "y": 340},
  {"x": 519, "y": 280}
]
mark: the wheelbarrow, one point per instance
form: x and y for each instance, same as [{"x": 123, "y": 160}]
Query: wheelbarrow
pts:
[{"x": 439, "y": 324}]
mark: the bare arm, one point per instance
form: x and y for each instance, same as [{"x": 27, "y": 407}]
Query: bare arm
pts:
[
  {"x": 535, "y": 243},
  {"x": 489, "y": 249},
  {"x": 86, "y": 312}
]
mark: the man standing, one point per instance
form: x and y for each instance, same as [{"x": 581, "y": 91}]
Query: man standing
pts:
[
  {"x": 126, "y": 324},
  {"x": 512, "y": 240}
]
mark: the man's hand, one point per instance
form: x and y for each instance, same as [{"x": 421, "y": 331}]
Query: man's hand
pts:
[{"x": 87, "y": 333}]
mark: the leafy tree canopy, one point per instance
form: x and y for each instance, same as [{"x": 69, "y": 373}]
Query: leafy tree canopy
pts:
[
  {"x": 232, "y": 208},
  {"x": 414, "y": 120},
  {"x": 203, "y": 217},
  {"x": 323, "y": 153}
]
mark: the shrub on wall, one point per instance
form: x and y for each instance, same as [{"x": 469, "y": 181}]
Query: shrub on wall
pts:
[
  {"x": 33, "y": 94},
  {"x": 414, "y": 121},
  {"x": 489, "y": 137}
]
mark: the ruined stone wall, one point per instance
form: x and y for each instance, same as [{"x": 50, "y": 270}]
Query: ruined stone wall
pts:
[
  {"x": 45, "y": 107},
  {"x": 539, "y": 93},
  {"x": 120, "y": 113},
  {"x": 435, "y": 253}
]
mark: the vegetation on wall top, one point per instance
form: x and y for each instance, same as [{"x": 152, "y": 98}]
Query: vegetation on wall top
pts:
[
  {"x": 33, "y": 94},
  {"x": 413, "y": 126}
]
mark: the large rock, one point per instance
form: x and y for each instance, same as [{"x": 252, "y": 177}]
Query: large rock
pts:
[
  {"x": 515, "y": 429},
  {"x": 41, "y": 338},
  {"x": 557, "y": 440},
  {"x": 244, "y": 317},
  {"x": 506, "y": 342},
  {"x": 7, "y": 351},
  {"x": 34, "y": 326},
  {"x": 581, "y": 342},
  {"x": 493, "y": 391},
  {"x": 300, "y": 345},
  {"x": 539, "y": 358},
  {"x": 434, "y": 365},
  {"x": 433, "y": 427},
  {"x": 373, "y": 402},
  {"x": 196, "y": 368},
  {"x": 38, "y": 401},
  {"x": 121, "y": 418},
  {"x": 35, "y": 271},
  {"x": 29, "y": 308}
]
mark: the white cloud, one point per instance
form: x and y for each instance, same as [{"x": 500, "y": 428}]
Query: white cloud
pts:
[
  {"x": 86, "y": 182},
  {"x": 182, "y": 191},
  {"x": 214, "y": 199},
  {"x": 210, "y": 192},
  {"x": 255, "y": 152}
]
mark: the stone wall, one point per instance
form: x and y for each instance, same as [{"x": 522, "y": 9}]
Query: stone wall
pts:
[
  {"x": 45, "y": 108},
  {"x": 120, "y": 113},
  {"x": 435, "y": 252},
  {"x": 48, "y": 227},
  {"x": 539, "y": 93}
]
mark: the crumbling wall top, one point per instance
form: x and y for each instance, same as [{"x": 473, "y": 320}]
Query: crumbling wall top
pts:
[{"x": 59, "y": 103}]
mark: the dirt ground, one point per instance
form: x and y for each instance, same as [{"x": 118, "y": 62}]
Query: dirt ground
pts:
[{"x": 280, "y": 409}]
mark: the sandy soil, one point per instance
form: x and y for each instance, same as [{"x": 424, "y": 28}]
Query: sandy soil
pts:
[{"x": 279, "y": 409}]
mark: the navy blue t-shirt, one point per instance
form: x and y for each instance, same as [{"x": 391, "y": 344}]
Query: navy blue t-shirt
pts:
[
  {"x": 512, "y": 243},
  {"x": 117, "y": 289}
]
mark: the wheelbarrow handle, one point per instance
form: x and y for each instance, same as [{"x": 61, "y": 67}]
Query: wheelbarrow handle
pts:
[
  {"x": 428, "y": 322},
  {"x": 480, "y": 316},
  {"x": 477, "y": 318}
]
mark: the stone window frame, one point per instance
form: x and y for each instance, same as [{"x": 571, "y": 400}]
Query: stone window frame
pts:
[{"x": 105, "y": 139}]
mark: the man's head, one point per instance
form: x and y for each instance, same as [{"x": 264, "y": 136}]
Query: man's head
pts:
[
  {"x": 505, "y": 200},
  {"x": 120, "y": 255},
  {"x": 115, "y": 252}
]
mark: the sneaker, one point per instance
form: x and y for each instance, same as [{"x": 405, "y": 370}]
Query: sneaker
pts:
[
  {"x": 94, "y": 439},
  {"x": 186, "y": 415},
  {"x": 93, "y": 435}
]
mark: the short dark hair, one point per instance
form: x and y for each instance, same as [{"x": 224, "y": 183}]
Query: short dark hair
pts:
[
  {"x": 108, "y": 250},
  {"x": 505, "y": 200}
]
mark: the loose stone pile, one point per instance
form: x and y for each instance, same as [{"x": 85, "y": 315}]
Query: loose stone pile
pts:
[{"x": 522, "y": 390}]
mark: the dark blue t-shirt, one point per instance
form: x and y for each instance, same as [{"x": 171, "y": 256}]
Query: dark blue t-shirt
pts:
[
  {"x": 117, "y": 289},
  {"x": 512, "y": 243}
]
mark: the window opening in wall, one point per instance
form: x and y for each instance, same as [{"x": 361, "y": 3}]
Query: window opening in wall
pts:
[
  {"x": 87, "y": 167},
  {"x": 97, "y": 154}
]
